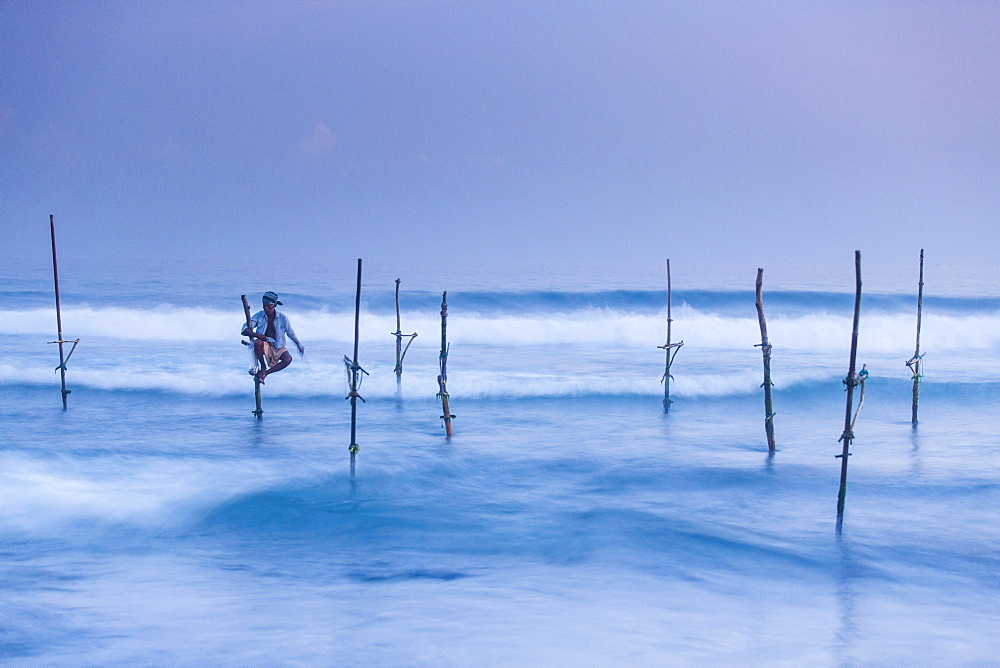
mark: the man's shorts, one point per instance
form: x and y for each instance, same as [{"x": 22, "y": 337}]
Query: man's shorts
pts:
[{"x": 271, "y": 354}]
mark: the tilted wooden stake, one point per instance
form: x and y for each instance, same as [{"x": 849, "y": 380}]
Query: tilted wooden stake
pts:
[
  {"x": 851, "y": 381},
  {"x": 915, "y": 362},
  {"x": 354, "y": 372},
  {"x": 400, "y": 350},
  {"x": 55, "y": 276},
  {"x": 443, "y": 378},
  {"x": 667, "y": 377},
  {"x": 765, "y": 349},
  {"x": 258, "y": 411}
]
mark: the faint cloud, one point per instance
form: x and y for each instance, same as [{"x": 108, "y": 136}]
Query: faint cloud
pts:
[{"x": 319, "y": 142}]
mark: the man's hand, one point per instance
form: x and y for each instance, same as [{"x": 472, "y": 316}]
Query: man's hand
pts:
[{"x": 302, "y": 348}]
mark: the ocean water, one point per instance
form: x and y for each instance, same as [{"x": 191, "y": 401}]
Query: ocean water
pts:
[{"x": 568, "y": 521}]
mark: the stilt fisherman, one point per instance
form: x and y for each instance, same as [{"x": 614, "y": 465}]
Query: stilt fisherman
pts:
[{"x": 270, "y": 328}]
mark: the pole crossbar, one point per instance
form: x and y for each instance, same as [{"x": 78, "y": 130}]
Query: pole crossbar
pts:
[{"x": 62, "y": 365}]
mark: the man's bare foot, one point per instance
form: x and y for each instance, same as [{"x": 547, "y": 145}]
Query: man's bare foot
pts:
[{"x": 261, "y": 375}]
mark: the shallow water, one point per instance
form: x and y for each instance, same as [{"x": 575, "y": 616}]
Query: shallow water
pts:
[{"x": 569, "y": 521}]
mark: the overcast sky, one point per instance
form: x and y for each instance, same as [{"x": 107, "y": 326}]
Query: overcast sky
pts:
[{"x": 539, "y": 131}]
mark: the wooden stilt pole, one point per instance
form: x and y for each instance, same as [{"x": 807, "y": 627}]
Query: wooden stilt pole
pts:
[
  {"x": 915, "y": 362},
  {"x": 55, "y": 277},
  {"x": 765, "y": 349},
  {"x": 443, "y": 378},
  {"x": 667, "y": 377},
  {"x": 354, "y": 371},
  {"x": 400, "y": 350},
  {"x": 399, "y": 341},
  {"x": 257, "y": 411},
  {"x": 851, "y": 381}
]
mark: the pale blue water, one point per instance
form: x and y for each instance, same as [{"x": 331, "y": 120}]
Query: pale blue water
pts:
[{"x": 569, "y": 521}]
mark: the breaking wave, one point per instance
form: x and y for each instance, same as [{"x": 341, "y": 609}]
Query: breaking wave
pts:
[{"x": 880, "y": 332}]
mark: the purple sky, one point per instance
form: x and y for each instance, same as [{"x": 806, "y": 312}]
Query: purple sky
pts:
[{"x": 744, "y": 132}]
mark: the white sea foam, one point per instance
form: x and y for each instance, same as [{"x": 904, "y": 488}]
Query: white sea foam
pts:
[
  {"x": 817, "y": 331},
  {"x": 61, "y": 489},
  {"x": 590, "y": 351}
]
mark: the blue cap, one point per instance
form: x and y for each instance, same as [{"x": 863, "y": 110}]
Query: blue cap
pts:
[{"x": 271, "y": 298}]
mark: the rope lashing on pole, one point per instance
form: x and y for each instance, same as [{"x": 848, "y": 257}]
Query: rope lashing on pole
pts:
[
  {"x": 443, "y": 393},
  {"x": 862, "y": 377},
  {"x": 766, "y": 351},
  {"x": 857, "y": 381},
  {"x": 914, "y": 365},
  {"x": 444, "y": 396},
  {"x": 62, "y": 365},
  {"x": 353, "y": 379}
]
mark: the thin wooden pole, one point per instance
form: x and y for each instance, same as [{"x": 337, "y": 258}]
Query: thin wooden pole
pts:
[
  {"x": 668, "y": 347},
  {"x": 55, "y": 277},
  {"x": 670, "y": 320},
  {"x": 399, "y": 341},
  {"x": 851, "y": 381},
  {"x": 443, "y": 378},
  {"x": 765, "y": 349},
  {"x": 353, "y": 368},
  {"x": 258, "y": 411},
  {"x": 400, "y": 350},
  {"x": 915, "y": 362}
]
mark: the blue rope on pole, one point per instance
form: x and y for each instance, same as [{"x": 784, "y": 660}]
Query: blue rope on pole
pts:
[{"x": 354, "y": 380}]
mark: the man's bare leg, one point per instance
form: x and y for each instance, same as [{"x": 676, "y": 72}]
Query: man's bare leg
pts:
[
  {"x": 283, "y": 361},
  {"x": 258, "y": 349}
]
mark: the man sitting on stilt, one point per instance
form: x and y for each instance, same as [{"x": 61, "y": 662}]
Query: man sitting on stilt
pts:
[{"x": 270, "y": 327}]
